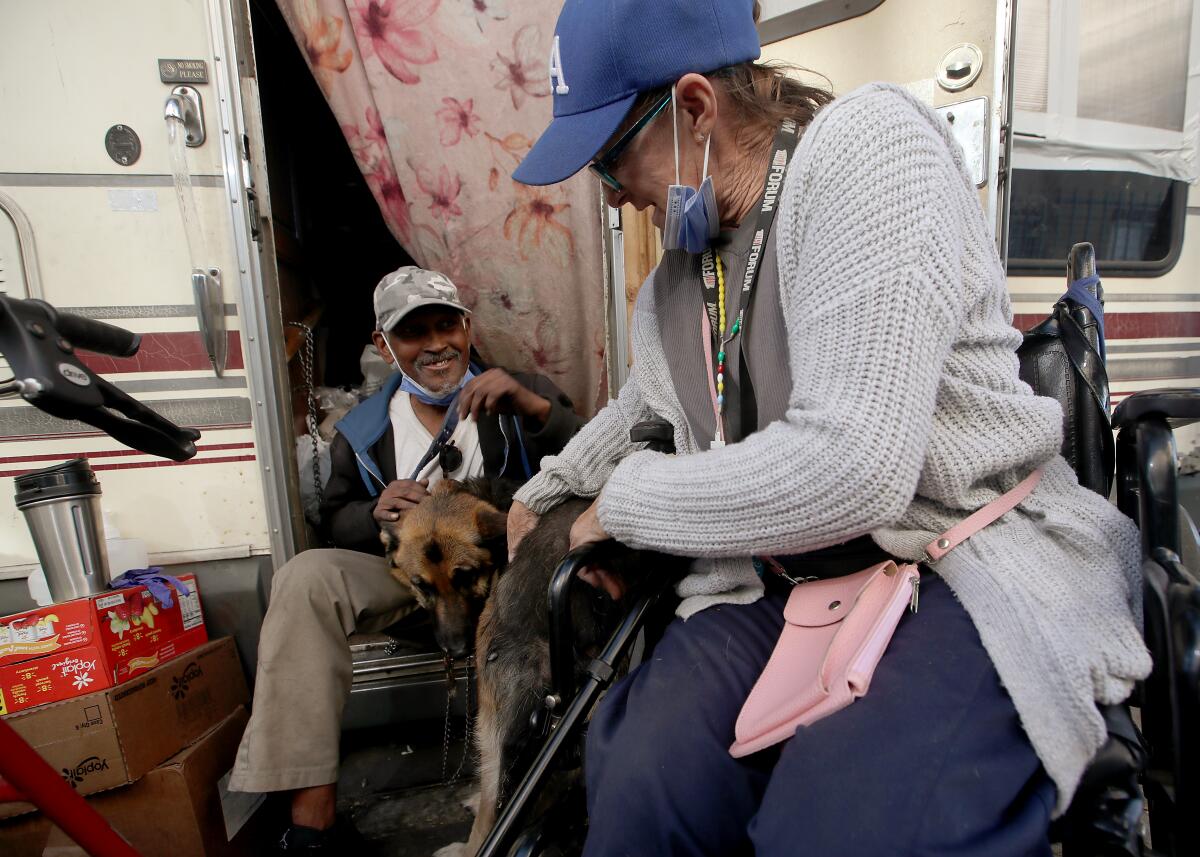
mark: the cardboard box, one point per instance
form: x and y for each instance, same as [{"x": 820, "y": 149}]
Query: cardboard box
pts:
[
  {"x": 106, "y": 739},
  {"x": 66, "y": 650},
  {"x": 137, "y": 633},
  {"x": 54, "y": 629},
  {"x": 180, "y": 808},
  {"x": 184, "y": 801}
]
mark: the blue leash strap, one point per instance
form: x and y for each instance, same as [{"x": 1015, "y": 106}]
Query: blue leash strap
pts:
[
  {"x": 1080, "y": 293},
  {"x": 521, "y": 448}
]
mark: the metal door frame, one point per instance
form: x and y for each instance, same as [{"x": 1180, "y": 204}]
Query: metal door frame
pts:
[{"x": 262, "y": 322}]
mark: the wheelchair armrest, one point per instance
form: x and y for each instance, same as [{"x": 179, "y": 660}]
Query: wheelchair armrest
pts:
[{"x": 1179, "y": 405}]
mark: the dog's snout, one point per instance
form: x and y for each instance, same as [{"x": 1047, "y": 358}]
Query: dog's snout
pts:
[
  {"x": 454, "y": 627},
  {"x": 455, "y": 645}
]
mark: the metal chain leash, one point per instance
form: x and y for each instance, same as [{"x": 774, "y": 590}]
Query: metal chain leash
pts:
[
  {"x": 466, "y": 726},
  {"x": 468, "y": 723},
  {"x": 307, "y": 362}
]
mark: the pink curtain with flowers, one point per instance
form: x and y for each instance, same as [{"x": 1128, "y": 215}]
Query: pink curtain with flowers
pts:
[{"x": 439, "y": 101}]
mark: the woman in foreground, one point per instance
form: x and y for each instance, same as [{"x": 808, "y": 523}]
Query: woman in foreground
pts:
[{"x": 830, "y": 335}]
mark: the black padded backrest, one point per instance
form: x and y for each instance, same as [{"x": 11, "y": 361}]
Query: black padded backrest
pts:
[{"x": 1060, "y": 358}]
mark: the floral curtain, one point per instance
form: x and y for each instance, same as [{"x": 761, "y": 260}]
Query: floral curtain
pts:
[{"x": 439, "y": 101}]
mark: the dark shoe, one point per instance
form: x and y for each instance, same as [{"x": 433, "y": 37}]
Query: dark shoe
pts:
[{"x": 340, "y": 839}]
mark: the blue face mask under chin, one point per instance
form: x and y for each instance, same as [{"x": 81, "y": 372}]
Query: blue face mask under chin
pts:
[
  {"x": 692, "y": 220},
  {"x": 423, "y": 394}
]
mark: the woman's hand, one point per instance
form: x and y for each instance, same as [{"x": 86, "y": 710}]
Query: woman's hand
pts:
[
  {"x": 521, "y": 519},
  {"x": 587, "y": 529}
]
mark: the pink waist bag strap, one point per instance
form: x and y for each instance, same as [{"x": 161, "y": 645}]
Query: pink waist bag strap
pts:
[{"x": 835, "y": 631}]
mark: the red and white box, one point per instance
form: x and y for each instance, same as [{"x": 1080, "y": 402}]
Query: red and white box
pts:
[{"x": 66, "y": 650}]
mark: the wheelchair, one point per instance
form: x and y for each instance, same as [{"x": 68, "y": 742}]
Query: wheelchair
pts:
[{"x": 1153, "y": 771}]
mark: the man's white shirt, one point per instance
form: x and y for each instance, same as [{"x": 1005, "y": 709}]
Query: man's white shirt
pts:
[{"x": 413, "y": 439}]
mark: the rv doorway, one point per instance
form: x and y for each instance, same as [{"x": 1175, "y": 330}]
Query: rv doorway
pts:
[
  {"x": 331, "y": 242},
  {"x": 332, "y": 246}
]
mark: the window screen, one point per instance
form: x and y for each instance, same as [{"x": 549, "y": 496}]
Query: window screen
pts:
[
  {"x": 1133, "y": 61},
  {"x": 1033, "y": 55},
  {"x": 1134, "y": 221},
  {"x": 1132, "y": 64}
]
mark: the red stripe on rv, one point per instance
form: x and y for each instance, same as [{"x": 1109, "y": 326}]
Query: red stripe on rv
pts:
[
  {"x": 132, "y": 465},
  {"x": 108, "y": 453},
  {"x": 165, "y": 352},
  {"x": 1133, "y": 325}
]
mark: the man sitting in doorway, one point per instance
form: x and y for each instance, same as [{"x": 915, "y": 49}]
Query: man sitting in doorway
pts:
[{"x": 381, "y": 467}]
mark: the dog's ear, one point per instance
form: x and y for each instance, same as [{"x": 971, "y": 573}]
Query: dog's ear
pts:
[
  {"x": 491, "y": 524},
  {"x": 447, "y": 486},
  {"x": 390, "y": 536}
]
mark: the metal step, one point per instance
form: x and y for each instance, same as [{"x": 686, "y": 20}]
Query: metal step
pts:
[
  {"x": 407, "y": 684},
  {"x": 373, "y": 663}
]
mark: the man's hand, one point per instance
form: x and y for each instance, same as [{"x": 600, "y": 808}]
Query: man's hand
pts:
[
  {"x": 400, "y": 496},
  {"x": 586, "y": 530},
  {"x": 521, "y": 520},
  {"x": 497, "y": 392}
]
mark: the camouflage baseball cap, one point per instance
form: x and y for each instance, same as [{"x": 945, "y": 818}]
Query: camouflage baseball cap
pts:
[{"x": 410, "y": 288}]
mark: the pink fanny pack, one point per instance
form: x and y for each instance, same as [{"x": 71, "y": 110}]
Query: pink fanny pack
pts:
[{"x": 836, "y": 630}]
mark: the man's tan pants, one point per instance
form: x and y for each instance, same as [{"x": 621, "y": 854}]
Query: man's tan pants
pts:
[{"x": 318, "y": 600}]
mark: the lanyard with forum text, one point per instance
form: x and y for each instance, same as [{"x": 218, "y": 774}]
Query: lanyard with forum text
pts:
[{"x": 785, "y": 143}]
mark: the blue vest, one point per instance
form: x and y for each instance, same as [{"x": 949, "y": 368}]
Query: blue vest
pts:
[{"x": 364, "y": 425}]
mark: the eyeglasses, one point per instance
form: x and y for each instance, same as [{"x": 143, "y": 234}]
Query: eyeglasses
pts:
[{"x": 604, "y": 164}]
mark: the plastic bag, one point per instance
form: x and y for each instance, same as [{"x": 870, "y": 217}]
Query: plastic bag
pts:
[
  {"x": 334, "y": 403},
  {"x": 304, "y": 462},
  {"x": 375, "y": 370}
]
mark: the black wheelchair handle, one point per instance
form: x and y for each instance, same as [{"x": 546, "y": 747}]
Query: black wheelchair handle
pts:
[
  {"x": 562, "y": 633},
  {"x": 657, "y": 434},
  {"x": 1081, "y": 261},
  {"x": 92, "y": 335}
]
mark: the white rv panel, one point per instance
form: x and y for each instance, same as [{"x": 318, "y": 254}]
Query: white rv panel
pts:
[{"x": 111, "y": 245}]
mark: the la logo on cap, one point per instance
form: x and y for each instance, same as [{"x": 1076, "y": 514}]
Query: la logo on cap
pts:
[{"x": 558, "y": 81}]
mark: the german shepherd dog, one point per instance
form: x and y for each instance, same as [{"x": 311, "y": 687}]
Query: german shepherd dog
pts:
[{"x": 451, "y": 549}]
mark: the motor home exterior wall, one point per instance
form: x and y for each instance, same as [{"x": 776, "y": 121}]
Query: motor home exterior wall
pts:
[
  {"x": 1154, "y": 321},
  {"x": 111, "y": 245}
]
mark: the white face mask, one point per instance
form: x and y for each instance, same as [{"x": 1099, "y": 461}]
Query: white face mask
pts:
[{"x": 692, "y": 220}]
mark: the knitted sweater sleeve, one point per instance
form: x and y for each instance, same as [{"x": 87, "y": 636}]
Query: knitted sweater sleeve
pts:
[{"x": 870, "y": 252}]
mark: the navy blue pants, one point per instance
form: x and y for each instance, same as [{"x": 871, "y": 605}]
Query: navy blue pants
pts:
[{"x": 932, "y": 761}]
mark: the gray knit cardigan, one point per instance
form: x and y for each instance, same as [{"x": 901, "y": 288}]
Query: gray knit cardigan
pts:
[{"x": 906, "y": 415}]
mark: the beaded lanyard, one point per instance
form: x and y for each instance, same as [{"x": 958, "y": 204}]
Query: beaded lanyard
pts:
[
  {"x": 717, "y": 389},
  {"x": 714, "y": 312}
]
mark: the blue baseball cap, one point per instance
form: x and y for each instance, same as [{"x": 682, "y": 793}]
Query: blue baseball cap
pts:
[{"x": 605, "y": 52}]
